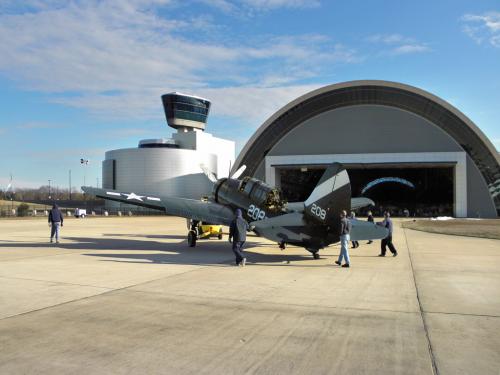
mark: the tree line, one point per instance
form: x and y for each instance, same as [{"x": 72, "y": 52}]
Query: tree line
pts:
[{"x": 43, "y": 193}]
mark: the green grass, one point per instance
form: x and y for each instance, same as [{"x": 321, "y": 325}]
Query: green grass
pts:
[{"x": 487, "y": 228}]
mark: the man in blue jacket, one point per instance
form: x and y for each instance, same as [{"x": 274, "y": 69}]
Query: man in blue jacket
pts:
[
  {"x": 56, "y": 219},
  {"x": 238, "y": 234}
]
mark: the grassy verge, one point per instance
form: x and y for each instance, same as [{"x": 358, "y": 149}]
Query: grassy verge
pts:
[{"x": 488, "y": 228}]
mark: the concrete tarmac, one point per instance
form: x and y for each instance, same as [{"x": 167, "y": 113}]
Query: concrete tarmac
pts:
[{"x": 128, "y": 296}]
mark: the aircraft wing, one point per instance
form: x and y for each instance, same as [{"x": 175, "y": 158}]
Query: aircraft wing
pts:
[
  {"x": 364, "y": 230},
  {"x": 210, "y": 212}
]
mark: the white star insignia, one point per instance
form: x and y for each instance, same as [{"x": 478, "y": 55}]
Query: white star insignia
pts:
[{"x": 133, "y": 196}]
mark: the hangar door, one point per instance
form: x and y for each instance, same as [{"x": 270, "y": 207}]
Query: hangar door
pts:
[{"x": 422, "y": 189}]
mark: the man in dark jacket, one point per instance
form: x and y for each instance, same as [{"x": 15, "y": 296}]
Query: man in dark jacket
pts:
[
  {"x": 56, "y": 219},
  {"x": 371, "y": 220},
  {"x": 238, "y": 234},
  {"x": 387, "y": 223}
]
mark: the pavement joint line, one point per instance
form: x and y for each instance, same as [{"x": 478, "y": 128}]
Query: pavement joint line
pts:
[
  {"x": 435, "y": 369},
  {"x": 453, "y": 234},
  {"x": 54, "y": 282},
  {"x": 462, "y": 314},
  {"x": 272, "y": 303},
  {"x": 97, "y": 294}
]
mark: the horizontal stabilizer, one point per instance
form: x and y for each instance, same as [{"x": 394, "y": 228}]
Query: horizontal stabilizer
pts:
[{"x": 364, "y": 230}]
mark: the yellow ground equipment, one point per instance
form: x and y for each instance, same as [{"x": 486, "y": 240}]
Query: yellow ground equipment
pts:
[
  {"x": 200, "y": 230},
  {"x": 206, "y": 230}
]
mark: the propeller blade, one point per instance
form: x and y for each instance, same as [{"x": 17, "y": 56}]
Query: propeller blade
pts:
[
  {"x": 239, "y": 172},
  {"x": 211, "y": 176}
]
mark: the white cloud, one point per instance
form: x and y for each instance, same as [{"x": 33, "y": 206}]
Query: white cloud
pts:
[
  {"x": 397, "y": 44},
  {"x": 483, "y": 27},
  {"x": 410, "y": 48},
  {"x": 273, "y": 4},
  {"x": 251, "y": 7},
  {"x": 116, "y": 58}
]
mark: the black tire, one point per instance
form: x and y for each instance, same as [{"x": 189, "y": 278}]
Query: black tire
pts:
[
  {"x": 192, "y": 238},
  {"x": 316, "y": 255},
  {"x": 220, "y": 234}
]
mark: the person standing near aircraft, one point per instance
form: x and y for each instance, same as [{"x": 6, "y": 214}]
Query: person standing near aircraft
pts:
[
  {"x": 56, "y": 219},
  {"x": 355, "y": 244},
  {"x": 345, "y": 230},
  {"x": 370, "y": 220},
  {"x": 387, "y": 223},
  {"x": 238, "y": 234}
]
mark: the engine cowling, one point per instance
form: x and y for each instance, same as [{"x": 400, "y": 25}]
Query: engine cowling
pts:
[{"x": 248, "y": 189}]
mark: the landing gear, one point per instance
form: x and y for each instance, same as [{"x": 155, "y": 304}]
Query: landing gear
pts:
[
  {"x": 219, "y": 236},
  {"x": 282, "y": 245},
  {"x": 192, "y": 237},
  {"x": 316, "y": 255}
]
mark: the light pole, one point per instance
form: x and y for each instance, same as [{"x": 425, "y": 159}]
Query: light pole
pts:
[
  {"x": 84, "y": 163},
  {"x": 49, "y": 189}
]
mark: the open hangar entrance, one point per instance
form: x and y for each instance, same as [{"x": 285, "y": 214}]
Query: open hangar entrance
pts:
[
  {"x": 421, "y": 189},
  {"x": 426, "y": 184}
]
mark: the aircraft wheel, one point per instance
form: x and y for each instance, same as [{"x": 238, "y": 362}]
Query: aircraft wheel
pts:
[
  {"x": 282, "y": 245},
  {"x": 192, "y": 238},
  {"x": 316, "y": 255},
  {"x": 220, "y": 234}
]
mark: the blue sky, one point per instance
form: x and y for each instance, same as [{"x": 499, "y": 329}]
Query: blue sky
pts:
[{"x": 78, "y": 78}]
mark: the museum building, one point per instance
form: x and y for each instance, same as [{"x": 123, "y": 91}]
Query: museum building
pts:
[
  {"x": 171, "y": 166},
  {"x": 402, "y": 146}
]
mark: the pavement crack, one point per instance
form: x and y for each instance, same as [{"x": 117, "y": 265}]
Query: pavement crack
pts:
[{"x": 435, "y": 369}]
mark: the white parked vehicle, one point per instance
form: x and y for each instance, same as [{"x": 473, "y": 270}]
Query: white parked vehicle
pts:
[{"x": 81, "y": 213}]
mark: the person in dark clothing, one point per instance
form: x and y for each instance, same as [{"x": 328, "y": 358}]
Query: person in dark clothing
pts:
[
  {"x": 238, "y": 234},
  {"x": 345, "y": 230},
  {"x": 56, "y": 220},
  {"x": 355, "y": 244},
  {"x": 371, "y": 220},
  {"x": 387, "y": 223}
]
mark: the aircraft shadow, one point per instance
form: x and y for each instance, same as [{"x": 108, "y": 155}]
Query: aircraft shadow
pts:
[{"x": 211, "y": 252}]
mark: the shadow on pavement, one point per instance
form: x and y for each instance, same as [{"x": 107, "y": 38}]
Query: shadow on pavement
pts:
[{"x": 207, "y": 252}]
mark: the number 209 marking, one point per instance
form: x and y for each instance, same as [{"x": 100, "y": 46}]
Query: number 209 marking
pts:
[
  {"x": 256, "y": 213},
  {"x": 318, "y": 211}
]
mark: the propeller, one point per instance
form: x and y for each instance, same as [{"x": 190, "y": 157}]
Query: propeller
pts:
[
  {"x": 213, "y": 177},
  {"x": 239, "y": 172}
]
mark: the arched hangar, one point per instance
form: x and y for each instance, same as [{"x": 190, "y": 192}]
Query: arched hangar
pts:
[{"x": 402, "y": 146}]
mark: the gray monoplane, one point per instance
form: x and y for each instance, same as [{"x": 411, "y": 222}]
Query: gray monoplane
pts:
[{"x": 313, "y": 224}]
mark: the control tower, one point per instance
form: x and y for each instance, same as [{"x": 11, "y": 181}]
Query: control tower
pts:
[{"x": 185, "y": 112}]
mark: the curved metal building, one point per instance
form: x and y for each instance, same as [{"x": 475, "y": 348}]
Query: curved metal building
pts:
[{"x": 382, "y": 130}]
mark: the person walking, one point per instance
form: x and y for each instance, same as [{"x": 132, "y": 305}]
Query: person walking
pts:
[
  {"x": 238, "y": 234},
  {"x": 371, "y": 220},
  {"x": 56, "y": 219},
  {"x": 387, "y": 223},
  {"x": 355, "y": 244},
  {"x": 345, "y": 230}
]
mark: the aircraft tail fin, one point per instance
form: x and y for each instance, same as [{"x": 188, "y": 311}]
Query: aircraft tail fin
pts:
[{"x": 331, "y": 195}]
